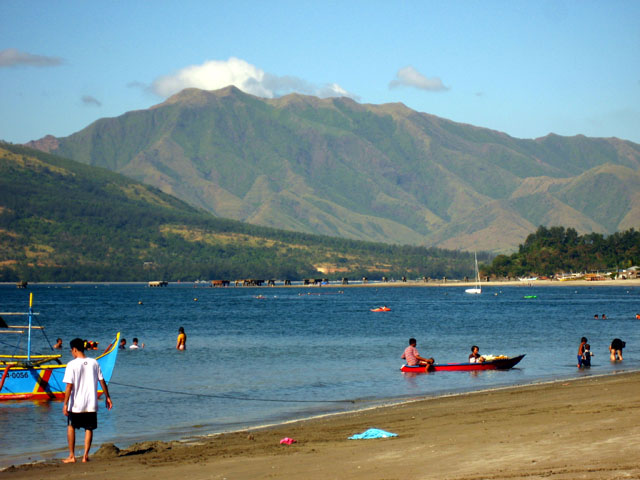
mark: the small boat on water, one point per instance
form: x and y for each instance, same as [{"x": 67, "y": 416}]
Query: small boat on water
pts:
[
  {"x": 381, "y": 309},
  {"x": 500, "y": 363},
  {"x": 477, "y": 290},
  {"x": 39, "y": 377}
]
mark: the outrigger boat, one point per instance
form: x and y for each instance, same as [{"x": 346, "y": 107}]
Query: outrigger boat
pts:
[
  {"x": 497, "y": 364},
  {"x": 39, "y": 377}
]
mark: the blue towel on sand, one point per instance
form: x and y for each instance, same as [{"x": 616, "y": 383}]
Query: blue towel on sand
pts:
[{"x": 373, "y": 433}]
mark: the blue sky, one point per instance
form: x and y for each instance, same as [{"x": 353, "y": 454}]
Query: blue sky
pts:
[{"x": 527, "y": 68}]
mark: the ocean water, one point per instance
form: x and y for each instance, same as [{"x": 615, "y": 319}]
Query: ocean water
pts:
[{"x": 299, "y": 352}]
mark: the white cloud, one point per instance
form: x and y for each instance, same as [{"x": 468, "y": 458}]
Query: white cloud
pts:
[
  {"x": 216, "y": 74},
  {"x": 91, "y": 101},
  {"x": 12, "y": 57},
  {"x": 410, "y": 77}
]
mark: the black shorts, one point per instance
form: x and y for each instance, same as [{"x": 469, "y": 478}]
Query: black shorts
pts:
[{"x": 86, "y": 420}]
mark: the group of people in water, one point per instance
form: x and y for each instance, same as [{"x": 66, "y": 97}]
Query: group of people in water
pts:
[
  {"x": 88, "y": 344},
  {"x": 181, "y": 343},
  {"x": 413, "y": 358},
  {"x": 585, "y": 353},
  {"x": 135, "y": 345}
]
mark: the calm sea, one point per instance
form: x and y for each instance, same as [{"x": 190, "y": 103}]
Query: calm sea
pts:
[{"x": 299, "y": 352}]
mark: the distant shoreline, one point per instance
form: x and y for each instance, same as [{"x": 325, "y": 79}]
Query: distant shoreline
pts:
[{"x": 378, "y": 283}]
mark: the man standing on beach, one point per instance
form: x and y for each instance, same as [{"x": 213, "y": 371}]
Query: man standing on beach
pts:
[{"x": 81, "y": 398}]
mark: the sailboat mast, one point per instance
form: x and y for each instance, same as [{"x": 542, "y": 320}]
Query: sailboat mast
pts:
[{"x": 475, "y": 257}]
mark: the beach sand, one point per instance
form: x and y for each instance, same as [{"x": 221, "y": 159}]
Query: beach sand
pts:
[{"x": 585, "y": 428}]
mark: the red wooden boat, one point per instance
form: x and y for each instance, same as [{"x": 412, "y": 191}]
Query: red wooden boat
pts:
[{"x": 497, "y": 364}]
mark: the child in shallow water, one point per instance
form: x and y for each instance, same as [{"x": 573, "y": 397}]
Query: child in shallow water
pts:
[{"x": 586, "y": 355}]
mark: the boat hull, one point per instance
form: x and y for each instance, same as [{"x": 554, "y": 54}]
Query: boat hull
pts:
[
  {"x": 44, "y": 382},
  {"x": 500, "y": 364}
]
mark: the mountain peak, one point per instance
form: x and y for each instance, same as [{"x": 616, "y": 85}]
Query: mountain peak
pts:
[
  {"x": 197, "y": 96},
  {"x": 47, "y": 144}
]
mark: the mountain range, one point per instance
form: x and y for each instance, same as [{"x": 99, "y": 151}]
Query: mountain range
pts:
[{"x": 381, "y": 173}]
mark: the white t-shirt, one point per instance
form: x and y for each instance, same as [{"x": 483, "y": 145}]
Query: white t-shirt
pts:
[{"x": 83, "y": 374}]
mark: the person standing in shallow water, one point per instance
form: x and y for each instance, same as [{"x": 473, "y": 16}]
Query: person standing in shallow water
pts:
[
  {"x": 181, "y": 343},
  {"x": 616, "y": 349},
  {"x": 583, "y": 342}
]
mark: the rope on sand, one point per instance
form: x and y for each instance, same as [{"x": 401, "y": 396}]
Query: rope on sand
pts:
[{"x": 228, "y": 397}]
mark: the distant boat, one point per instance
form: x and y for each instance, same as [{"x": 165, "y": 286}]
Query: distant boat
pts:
[
  {"x": 527, "y": 279},
  {"x": 477, "y": 289}
]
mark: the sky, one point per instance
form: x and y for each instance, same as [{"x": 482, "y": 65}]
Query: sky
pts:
[{"x": 526, "y": 68}]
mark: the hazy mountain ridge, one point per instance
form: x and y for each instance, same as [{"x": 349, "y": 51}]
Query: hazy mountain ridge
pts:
[{"x": 373, "y": 172}]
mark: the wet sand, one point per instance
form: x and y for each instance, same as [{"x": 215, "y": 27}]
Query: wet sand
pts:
[{"x": 585, "y": 428}]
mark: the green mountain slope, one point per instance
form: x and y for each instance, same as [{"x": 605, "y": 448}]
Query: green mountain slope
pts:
[
  {"x": 373, "y": 172},
  {"x": 61, "y": 220}
]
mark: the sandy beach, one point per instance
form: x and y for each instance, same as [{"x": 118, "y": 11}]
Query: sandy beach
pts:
[{"x": 584, "y": 428}]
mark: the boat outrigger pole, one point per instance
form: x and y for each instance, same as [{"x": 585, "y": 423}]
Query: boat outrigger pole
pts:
[{"x": 29, "y": 334}]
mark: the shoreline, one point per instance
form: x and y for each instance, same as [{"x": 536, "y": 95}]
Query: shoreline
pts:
[
  {"x": 378, "y": 283},
  {"x": 325, "y": 436}
]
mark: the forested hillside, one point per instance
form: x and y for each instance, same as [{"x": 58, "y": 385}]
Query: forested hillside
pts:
[
  {"x": 61, "y": 220},
  {"x": 554, "y": 250}
]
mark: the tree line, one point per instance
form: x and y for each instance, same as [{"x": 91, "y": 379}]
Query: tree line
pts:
[{"x": 557, "y": 249}]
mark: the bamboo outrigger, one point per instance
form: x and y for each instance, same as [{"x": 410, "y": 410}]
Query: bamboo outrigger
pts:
[{"x": 39, "y": 377}]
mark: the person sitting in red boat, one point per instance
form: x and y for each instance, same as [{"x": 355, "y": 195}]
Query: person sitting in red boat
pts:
[
  {"x": 412, "y": 356},
  {"x": 90, "y": 345},
  {"x": 474, "y": 356}
]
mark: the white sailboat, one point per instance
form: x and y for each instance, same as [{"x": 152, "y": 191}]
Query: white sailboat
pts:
[{"x": 477, "y": 289}]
